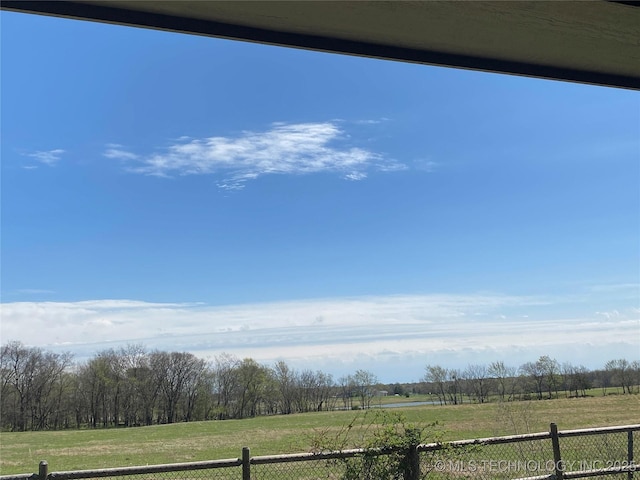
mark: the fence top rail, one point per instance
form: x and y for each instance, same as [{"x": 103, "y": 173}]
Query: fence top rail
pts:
[
  {"x": 528, "y": 436},
  {"x": 598, "y": 430},
  {"x": 425, "y": 447},
  {"x": 19, "y": 476},
  {"x": 143, "y": 469}
]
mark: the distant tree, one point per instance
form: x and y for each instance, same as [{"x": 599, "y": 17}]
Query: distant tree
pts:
[
  {"x": 533, "y": 370},
  {"x": 602, "y": 379},
  {"x": 326, "y": 390},
  {"x": 135, "y": 394},
  {"x": 620, "y": 371},
  {"x": 48, "y": 390},
  {"x": 92, "y": 391},
  {"x": 195, "y": 390},
  {"x": 346, "y": 387},
  {"x": 568, "y": 378},
  {"x": 306, "y": 391},
  {"x": 252, "y": 381},
  {"x": 476, "y": 376},
  {"x": 33, "y": 383},
  {"x": 226, "y": 384},
  {"x": 635, "y": 374},
  {"x": 634, "y": 371},
  {"x": 178, "y": 375},
  {"x": 18, "y": 370},
  {"x": 286, "y": 380},
  {"x": 581, "y": 381},
  {"x": 454, "y": 390},
  {"x": 504, "y": 380},
  {"x": 364, "y": 382},
  {"x": 319, "y": 386},
  {"x": 550, "y": 370},
  {"x": 397, "y": 389},
  {"x": 438, "y": 377}
]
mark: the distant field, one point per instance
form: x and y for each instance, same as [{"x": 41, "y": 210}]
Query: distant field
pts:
[{"x": 185, "y": 442}]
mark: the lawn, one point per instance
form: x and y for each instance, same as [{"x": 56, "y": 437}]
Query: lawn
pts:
[{"x": 83, "y": 449}]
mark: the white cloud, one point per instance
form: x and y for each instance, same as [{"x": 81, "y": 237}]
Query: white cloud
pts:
[
  {"x": 116, "y": 151},
  {"x": 355, "y": 176},
  {"x": 31, "y": 291},
  {"x": 609, "y": 315},
  {"x": 47, "y": 157},
  {"x": 372, "y": 121},
  {"x": 293, "y": 149},
  {"x": 334, "y": 334}
]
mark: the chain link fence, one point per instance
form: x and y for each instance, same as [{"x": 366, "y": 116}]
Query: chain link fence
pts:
[
  {"x": 600, "y": 453},
  {"x": 491, "y": 459},
  {"x": 591, "y": 451}
]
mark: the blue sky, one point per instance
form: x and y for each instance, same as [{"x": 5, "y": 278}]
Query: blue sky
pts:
[{"x": 334, "y": 211}]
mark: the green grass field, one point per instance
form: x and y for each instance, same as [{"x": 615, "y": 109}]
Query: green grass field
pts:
[{"x": 84, "y": 449}]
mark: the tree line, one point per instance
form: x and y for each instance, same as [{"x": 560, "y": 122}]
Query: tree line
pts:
[
  {"x": 131, "y": 386},
  {"x": 544, "y": 378}
]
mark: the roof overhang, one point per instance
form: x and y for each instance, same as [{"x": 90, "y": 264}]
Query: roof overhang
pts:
[{"x": 595, "y": 42}]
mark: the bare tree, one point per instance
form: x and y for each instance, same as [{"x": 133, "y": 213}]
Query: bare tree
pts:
[
  {"x": 48, "y": 389},
  {"x": 324, "y": 398},
  {"x": 134, "y": 363},
  {"x": 635, "y": 374},
  {"x": 581, "y": 381},
  {"x": 32, "y": 386},
  {"x": 575, "y": 379},
  {"x": 252, "y": 381},
  {"x": 567, "y": 371},
  {"x": 533, "y": 370},
  {"x": 364, "y": 381},
  {"x": 550, "y": 370},
  {"x": 346, "y": 386},
  {"x": 437, "y": 376},
  {"x": 177, "y": 374},
  {"x": 476, "y": 376},
  {"x": 620, "y": 370},
  {"x": 454, "y": 389},
  {"x": 286, "y": 379},
  {"x": 194, "y": 389},
  {"x": 504, "y": 379},
  {"x": 226, "y": 369}
]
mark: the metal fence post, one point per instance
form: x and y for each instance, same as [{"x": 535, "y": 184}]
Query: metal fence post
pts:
[
  {"x": 43, "y": 470},
  {"x": 557, "y": 460},
  {"x": 630, "y": 453},
  {"x": 246, "y": 463}
]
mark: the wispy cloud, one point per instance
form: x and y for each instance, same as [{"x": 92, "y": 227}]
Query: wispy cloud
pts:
[
  {"x": 293, "y": 149},
  {"x": 117, "y": 152},
  {"x": 32, "y": 291},
  {"x": 47, "y": 157},
  {"x": 616, "y": 287},
  {"x": 372, "y": 121},
  {"x": 352, "y": 332}
]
